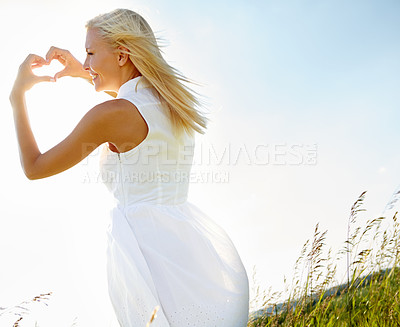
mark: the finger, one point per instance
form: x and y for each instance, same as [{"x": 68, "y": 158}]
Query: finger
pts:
[
  {"x": 35, "y": 60},
  {"x": 38, "y": 65},
  {"x": 56, "y": 53},
  {"x": 61, "y": 73},
  {"x": 50, "y": 54},
  {"x": 32, "y": 61},
  {"x": 45, "y": 79},
  {"x": 61, "y": 59}
]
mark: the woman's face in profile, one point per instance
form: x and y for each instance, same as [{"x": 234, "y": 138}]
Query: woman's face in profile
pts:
[{"x": 101, "y": 62}]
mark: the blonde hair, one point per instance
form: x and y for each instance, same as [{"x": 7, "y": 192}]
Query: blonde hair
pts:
[{"x": 124, "y": 27}]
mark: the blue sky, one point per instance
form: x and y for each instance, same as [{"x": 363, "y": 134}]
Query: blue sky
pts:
[{"x": 275, "y": 73}]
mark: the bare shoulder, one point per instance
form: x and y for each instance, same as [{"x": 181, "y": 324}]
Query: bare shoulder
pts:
[
  {"x": 121, "y": 121},
  {"x": 114, "y": 107}
]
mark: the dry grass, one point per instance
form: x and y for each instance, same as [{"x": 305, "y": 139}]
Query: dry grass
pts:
[
  {"x": 24, "y": 308},
  {"x": 153, "y": 316},
  {"x": 369, "y": 297}
]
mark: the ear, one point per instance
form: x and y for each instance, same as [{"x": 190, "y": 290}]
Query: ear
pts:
[{"x": 123, "y": 55}]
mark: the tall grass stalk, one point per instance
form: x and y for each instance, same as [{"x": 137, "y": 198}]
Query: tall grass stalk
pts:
[
  {"x": 370, "y": 295},
  {"x": 24, "y": 308}
]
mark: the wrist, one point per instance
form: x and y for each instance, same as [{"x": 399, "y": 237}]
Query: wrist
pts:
[{"x": 16, "y": 93}]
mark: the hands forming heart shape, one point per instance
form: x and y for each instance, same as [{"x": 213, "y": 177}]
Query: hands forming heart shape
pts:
[
  {"x": 50, "y": 69},
  {"x": 26, "y": 78},
  {"x": 72, "y": 66}
]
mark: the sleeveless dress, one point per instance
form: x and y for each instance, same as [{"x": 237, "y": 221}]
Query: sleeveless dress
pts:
[{"x": 162, "y": 250}]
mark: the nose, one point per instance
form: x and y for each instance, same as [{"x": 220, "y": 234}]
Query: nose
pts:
[{"x": 86, "y": 64}]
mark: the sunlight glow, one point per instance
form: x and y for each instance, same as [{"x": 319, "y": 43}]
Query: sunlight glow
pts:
[{"x": 274, "y": 73}]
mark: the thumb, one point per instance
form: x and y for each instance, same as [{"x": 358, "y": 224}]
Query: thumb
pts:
[
  {"x": 45, "y": 79},
  {"x": 60, "y": 74}
]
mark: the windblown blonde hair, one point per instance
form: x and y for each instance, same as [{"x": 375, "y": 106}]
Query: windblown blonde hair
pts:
[{"x": 124, "y": 27}]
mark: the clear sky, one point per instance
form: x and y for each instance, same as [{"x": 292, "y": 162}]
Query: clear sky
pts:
[{"x": 304, "y": 104}]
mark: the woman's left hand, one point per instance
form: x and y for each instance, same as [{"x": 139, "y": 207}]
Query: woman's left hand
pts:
[{"x": 26, "y": 78}]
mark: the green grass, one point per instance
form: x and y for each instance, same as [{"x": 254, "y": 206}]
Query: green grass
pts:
[{"x": 369, "y": 297}]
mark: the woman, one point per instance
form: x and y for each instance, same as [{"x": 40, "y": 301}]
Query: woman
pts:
[{"x": 162, "y": 250}]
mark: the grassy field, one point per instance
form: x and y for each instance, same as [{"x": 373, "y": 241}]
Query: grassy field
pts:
[{"x": 369, "y": 297}]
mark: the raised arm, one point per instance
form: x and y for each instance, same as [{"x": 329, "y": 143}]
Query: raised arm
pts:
[{"x": 112, "y": 121}]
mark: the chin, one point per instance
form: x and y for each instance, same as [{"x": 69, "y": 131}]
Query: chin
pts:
[
  {"x": 100, "y": 88},
  {"x": 98, "y": 85}
]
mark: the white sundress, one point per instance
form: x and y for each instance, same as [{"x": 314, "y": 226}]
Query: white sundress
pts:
[{"x": 162, "y": 250}]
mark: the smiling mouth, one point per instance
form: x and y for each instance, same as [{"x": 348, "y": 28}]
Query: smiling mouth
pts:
[{"x": 94, "y": 76}]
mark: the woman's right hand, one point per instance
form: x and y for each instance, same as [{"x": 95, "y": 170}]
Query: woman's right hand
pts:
[{"x": 72, "y": 67}]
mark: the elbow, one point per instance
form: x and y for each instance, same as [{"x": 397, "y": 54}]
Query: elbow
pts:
[
  {"x": 31, "y": 178},
  {"x": 30, "y": 174},
  {"x": 32, "y": 169}
]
